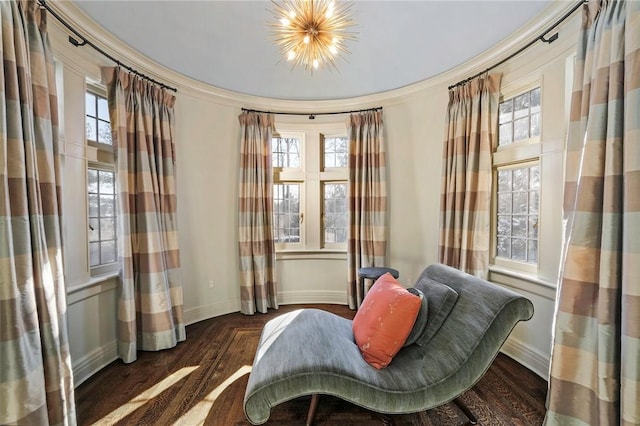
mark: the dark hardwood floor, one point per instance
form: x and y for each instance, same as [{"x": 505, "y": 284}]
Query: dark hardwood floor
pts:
[{"x": 202, "y": 381}]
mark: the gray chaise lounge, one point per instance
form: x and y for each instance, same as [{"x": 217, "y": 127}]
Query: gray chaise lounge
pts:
[{"x": 312, "y": 352}]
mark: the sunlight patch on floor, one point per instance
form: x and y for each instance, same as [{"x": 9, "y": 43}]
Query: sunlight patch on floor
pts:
[
  {"x": 124, "y": 410},
  {"x": 198, "y": 414}
]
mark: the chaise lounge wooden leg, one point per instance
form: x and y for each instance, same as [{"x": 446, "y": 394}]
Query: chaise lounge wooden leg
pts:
[
  {"x": 312, "y": 408},
  {"x": 467, "y": 412}
]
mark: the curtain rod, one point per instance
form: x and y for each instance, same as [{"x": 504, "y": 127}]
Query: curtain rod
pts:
[
  {"x": 313, "y": 115},
  {"x": 549, "y": 40},
  {"x": 76, "y": 43}
]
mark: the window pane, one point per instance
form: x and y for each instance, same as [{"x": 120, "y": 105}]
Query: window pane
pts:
[
  {"x": 505, "y": 136},
  {"x": 106, "y": 182},
  {"x": 532, "y": 252},
  {"x": 521, "y": 129},
  {"x": 535, "y": 101},
  {"x": 520, "y": 181},
  {"x": 102, "y": 217},
  {"x": 107, "y": 205},
  {"x": 107, "y": 229},
  {"x": 90, "y": 128},
  {"x": 535, "y": 124},
  {"x": 93, "y": 205},
  {"x": 504, "y": 203},
  {"x": 521, "y": 106},
  {"x": 506, "y": 111},
  {"x": 335, "y": 152},
  {"x": 286, "y": 152},
  {"x": 90, "y": 104},
  {"x": 519, "y": 249},
  {"x": 94, "y": 230},
  {"x": 519, "y": 226},
  {"x": 517, "y": 209},
  {"x": 504, "y": 180},
  {"x": 520, "y": 202},
  {"x": 94, "y": 254},
  {"x": 534, "y": 200},
  {"x": 335, "y": 212},
  {"x": 93, "y": 181},
  {"x": 534, "y": 180},
  {"x": 286, "y": 202},
  {"x": 103, "y": 109},
  {"x": 504, "y": 247},
  {"x": 533, "y": 227},
  {"x": 107, "y": 252},
  {"x": 504, "y": 225},
  {"x": 104, "y": 132}
]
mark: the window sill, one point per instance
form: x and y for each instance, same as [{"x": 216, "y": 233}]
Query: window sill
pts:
[
  {"x": 311, "y": 254},
  {"x": 522, "y": 281},
  {"x": 96, "y": 285}
]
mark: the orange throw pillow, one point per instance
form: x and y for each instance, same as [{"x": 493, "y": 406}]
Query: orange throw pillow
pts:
[{"x": 384, "y": 320}]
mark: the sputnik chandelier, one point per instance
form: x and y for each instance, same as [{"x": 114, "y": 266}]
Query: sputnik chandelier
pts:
[{"x": 311, "y": 33}]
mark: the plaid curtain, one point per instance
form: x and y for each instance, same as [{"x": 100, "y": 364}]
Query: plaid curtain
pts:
[
  {"x": 150, "y": 313},
  {"x": 595, "y": 363},
  {"x": 36, "y": 383},
  {"x": 465, "y": 199},
  {"x": 258, "y": 290},
  {"x": 367, "y": 199}
]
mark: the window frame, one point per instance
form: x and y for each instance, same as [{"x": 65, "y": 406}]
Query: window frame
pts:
[
  {"x": 517, "y": 154},
  {"x": 100, "y": 156},
  {"x": 332, "y": 175},
  {"x": 312, "y": 175},
  {"x": 99, "y": 93}
]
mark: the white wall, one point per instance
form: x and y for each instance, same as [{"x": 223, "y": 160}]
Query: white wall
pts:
[{"x": 207, "y": 165}]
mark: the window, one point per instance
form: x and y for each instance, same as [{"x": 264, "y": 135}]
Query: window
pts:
[
  {"x": 98, "y": 127},
  {"x": 517, "y": 228},
  {"x": 102, "y": 217},
  {"x": 517, "y": 182},
  {"x": 519, "y": 117},
  {"x": 101, "y": 189},
  {"x": 310, "y": 187}
]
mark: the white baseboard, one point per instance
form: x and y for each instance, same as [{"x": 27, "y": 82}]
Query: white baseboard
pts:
[
  {"x": 295, "y": 297},
  {"x": 200, "y": 313},
  {"x": 95, "y": 361},
  {"x": 528, "y": 356}
]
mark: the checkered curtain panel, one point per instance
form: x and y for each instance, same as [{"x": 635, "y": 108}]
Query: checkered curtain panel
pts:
[
  {"x": 367, "y": 199},
  {"x": 465, "y": 198},
  {"x": 258, "y": 289},
  {"x": 36, "y": 383},
  {"x": 150, "y": 313},
  {"x": 595, "y": 364}
]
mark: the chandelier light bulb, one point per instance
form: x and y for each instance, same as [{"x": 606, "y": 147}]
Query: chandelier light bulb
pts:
[{"x": 312, "y": 32}]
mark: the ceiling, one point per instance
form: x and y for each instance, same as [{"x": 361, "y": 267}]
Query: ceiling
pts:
[{"x": 228, "y": 44}]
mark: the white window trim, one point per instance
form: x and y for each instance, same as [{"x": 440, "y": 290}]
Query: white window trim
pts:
[
  {"x": 517, "y": 154},
  {"x": 530, "y": 268},
  {"x": 106, "y": 269},
  {"x": 312, "y": 176},
  {"x": 100, "y": 156}
]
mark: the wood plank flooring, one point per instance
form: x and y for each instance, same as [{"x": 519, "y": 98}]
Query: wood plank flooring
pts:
[{"x": 202, "y": 381}]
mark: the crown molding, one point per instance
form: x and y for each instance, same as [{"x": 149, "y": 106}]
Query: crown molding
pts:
[{"x": 108, "y": 42}]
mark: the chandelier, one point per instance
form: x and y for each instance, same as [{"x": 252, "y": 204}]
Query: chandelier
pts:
[{"x": 311, "y": 33}]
